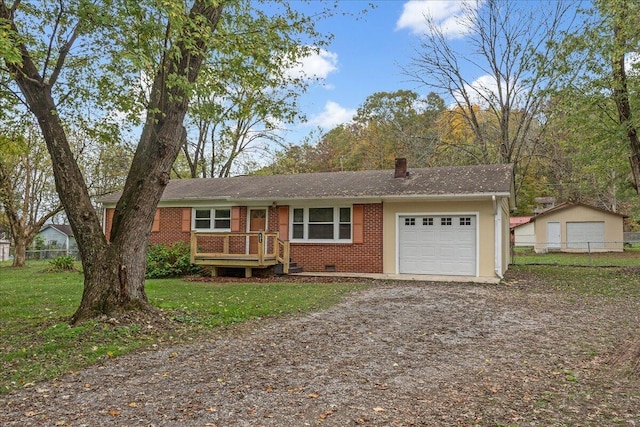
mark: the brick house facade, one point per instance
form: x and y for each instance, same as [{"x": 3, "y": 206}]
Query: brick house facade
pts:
[
  {"x": 173, "y": 224},
  {"x": 449, "y": 221}
]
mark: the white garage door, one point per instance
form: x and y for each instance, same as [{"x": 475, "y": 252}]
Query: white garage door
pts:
[
  {"x": 441, "y": 244},
  {"x": 585, "y": 235}
]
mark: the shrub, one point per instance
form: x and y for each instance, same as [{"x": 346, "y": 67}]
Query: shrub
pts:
[
  {"x": 169, "y": 261},
  {"x": 62, "y": 263}
]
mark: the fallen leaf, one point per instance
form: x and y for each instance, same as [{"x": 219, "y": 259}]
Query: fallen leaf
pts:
[
  {"x": 30, "y": 414},
  {"x": 114, "y": 412},
  {"x": 313, "y": 395},
  {"x": 379, "y": 409},
  {"x": 133, "y": 405},
  {"x": 326, "y": 414}
]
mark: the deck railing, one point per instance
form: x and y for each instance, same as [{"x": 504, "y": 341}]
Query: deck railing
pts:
[{"x": 234, "y": 249}]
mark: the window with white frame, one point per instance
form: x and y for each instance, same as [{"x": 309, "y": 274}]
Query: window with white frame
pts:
[
  {"x": 212, "y": 219},
  {"x": 321, "y": 224}
]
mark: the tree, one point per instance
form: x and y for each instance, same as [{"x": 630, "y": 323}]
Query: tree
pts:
[
  {"x": 387, "y": 125},
  {"x": 398, "y": 124},
  {"x": 114, "y": 273},
  {"x": 510, "y": 45},
  {"x": 96, "y": 52},
  {"x": 27, "y": 193},
  {"x": 600, "y": 78},
  {"x": 600, "y": 63},
  {"x": 246, "y": 93}
]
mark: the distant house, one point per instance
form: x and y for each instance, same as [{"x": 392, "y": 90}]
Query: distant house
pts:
[
  {"x": 446, "y": 221},
  {"x": 4, "y": 248},
  {"x": 543, "y": 203},
  {"x": 58, "y": 236},
  {"x": 523, "y": 231},
  {"x": 576, "y": 227}
]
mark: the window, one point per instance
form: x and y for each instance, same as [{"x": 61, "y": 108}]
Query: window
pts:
[
  {"x": 465, "y": 220},
  {"x": 445, "y": 221},
  {"x": 298, "y": 224},
  {"x": 345, "y": 224},
  {"x": 409, "y": 221},
  {"x": 427, "y": 221},
  {"x": 321, "y": 223},
  {"x": 212, "y": 219}
]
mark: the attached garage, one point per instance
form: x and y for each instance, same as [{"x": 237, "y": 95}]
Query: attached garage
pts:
[{"x": 437, "y": 244}]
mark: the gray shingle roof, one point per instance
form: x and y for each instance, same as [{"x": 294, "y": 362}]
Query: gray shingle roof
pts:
[
  {"x": 62, "y": 228},
  {"x": 439, "y": 181}
]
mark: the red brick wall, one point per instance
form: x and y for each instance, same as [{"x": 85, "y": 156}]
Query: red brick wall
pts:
[
  {"x": 363, "y": 257},
  {"x": 170, "y": 228},
  {"x": 356, "y": 258}
]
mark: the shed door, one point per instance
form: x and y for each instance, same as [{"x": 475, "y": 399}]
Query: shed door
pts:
[
  {"x": 585, "y": 235},
  {"x": 443, "y": 244},
  {"x": 554, "y": 237}
]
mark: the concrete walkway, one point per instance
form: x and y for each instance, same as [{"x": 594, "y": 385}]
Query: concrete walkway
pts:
[{"x": 408, "y": 277}]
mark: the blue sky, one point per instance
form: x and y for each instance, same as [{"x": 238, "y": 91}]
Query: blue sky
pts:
[{"x": 367, "y": 55}]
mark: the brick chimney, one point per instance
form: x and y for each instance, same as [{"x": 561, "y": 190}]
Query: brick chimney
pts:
[{"x": 401, "y": 168}]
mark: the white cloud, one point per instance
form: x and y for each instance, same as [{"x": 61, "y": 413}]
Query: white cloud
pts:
[
  {"x": 448, "y": 15},
  {"x": 483, "y": 91},
  {"x": 632, "y": 63},
  {"x": 332, "y": 115},
  {"x": 316, "y": 66}
]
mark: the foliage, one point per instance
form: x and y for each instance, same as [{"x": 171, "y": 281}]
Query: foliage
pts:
[
  {"x": 62, "y": 263},
  {"x": 27, "y": 192},
  {"x": 388, "y": 125},
  {"x": 248, "y": 87},
  {"x": 169, "y": 261},
  {"x": 36, "y": 343},
  {"x": 596, "y": 98},
  {"x": 101, "y": 69},
  {"x": 497, "y": 116}
]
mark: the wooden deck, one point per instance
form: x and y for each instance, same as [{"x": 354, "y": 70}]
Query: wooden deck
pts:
[{"x": 239, "y": 250}]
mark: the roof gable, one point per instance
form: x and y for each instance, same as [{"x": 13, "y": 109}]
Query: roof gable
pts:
[
  {"x": 61, "y": 228},
  {"x": 569, "y": 205}
]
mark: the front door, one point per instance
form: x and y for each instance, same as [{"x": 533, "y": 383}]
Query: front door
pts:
[{"x": 257, "y": 222}]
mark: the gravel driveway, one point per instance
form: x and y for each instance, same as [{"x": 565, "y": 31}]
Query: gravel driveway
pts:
[{"x": 398, "y": 354}]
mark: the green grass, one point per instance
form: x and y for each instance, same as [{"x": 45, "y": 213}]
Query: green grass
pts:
[
  {"x": 36, "y": 342},
  {"x": 615, "y": 282},
  {"x": 629, "y": 258}
]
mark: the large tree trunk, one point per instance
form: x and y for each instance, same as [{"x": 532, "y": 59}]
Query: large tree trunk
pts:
[
  {"x": 20, "y": 252},
  {"x": 114, "y": 273},
  {"x": 621, "y": 93}
]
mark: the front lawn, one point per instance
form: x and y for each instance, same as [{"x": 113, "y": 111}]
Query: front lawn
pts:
[
  {"x": 526, "y": 256},
  {"x": 36, "y": 342}
]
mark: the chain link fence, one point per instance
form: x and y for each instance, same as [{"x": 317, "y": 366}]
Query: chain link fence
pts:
[
  {"x": 587, "y": 253},
  {"x": 44, "y": 254}
]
